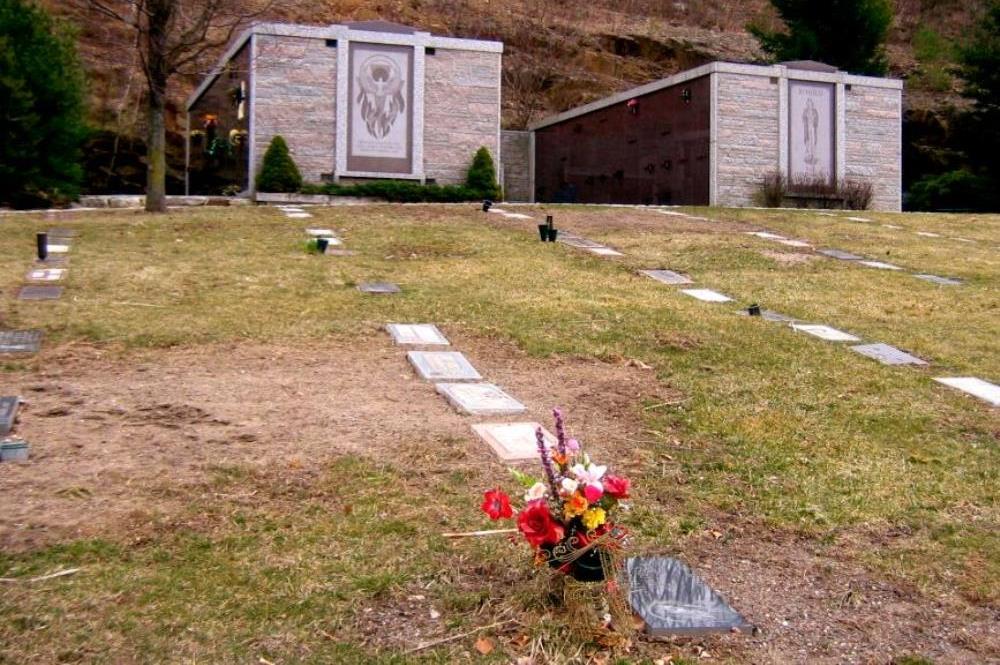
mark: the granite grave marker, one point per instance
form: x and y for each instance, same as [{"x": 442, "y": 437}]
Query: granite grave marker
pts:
[
  {"x": 480, "y": 399},
  {"x": 943, "y": 281},
  {"x": 40, "y": 292},
  {"x": 443, "y": 366},
  {"x": 417, "y": 333},
  {"x": 8, "y": 413},
  {"x": 706, "y": 295},
  {"x": 984, "y": 390},
  {"x": 840, "y": 254},
  {"x": 378, "y": 287},
  {"x": 881, "y": 265},
  {"x": 513, "y": 442},
  {"x": 45, "y": 274},
  {"x": 667, "y": 276},
  {"x": 887, "y": 355},
  {"x": 672, "y": 600},
  {"x": 20, "y": 341},
  {"x": 825, "y": 332}
]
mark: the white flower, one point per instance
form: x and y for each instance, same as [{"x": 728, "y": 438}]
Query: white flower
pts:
[
  {"x": 589, "y": 475},
  {"x": 569, "y": 485},
  {"x": 537, "y": 491}
]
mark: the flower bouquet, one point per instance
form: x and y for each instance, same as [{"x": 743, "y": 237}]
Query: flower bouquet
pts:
[{"x": 568, "y": 517}]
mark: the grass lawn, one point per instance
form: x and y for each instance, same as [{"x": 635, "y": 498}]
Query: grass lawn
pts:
[{"x": 779, "y": 440}]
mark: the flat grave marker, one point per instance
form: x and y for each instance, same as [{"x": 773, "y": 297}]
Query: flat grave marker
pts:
[
  {"x": 517, "y": 215},
  {"x": 31, "y": 292},
  {"x": 858, "y": 219},
  {"x": 943, "y": 281},
  {"x": 45, "y": 274},
  {"x": 604, "y": 251},
  {"x": 672, "y": 600},
  {"x": 20, "y": 341},
  {"x": 839, "y": 254},
  {"x": 321, "y": 233},
  {"x": 984, "y": 390},
  {"x": 881, "y": 265},
  {"x": 378, "y": 287},
  {"x": 769, "y": 315},
  {"x": 14, "y": 450},
  {"x": 963, "y": 239},
  {"x": 577, "y": 241},
  {"x": 58, "y": 249},
  {"x": 297, "y": 215},
  {"x": 339, "y": 252},
  {"x": 928, "y": 234},
  {"x": 893, "y": 226},
  {"x": 706, "y": 295},
  {"x": 513, "y": 442},
  {"x": 8, "y": 413},
  {"x": 766, "y": 235},
  {"x": 888, "y": 355},
  {"x": 825, "y": 332},
  {"x": 793, "y": 243},
  {"x": 480, "y": 399},
  {"x": 667, "y": 276},
  {"x": 443, "y": 366},
  {"x": 417, "y": 333},
  {"x": 672, "y": 213},
  {"x": 61, "y": 261}
]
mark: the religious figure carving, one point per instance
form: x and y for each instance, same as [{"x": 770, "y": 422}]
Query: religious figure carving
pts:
[{"x": 810, "y": 133}]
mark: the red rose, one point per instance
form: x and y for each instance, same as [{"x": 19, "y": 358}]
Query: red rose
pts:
[
  {"x": 536, "y": 523},
  {"x": 616, "y": 486},
  {"x": 496, "y": 504}
]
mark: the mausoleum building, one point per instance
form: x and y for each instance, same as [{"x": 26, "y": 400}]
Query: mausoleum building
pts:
[
  {"x": 354, "y": 101},
  {"x": 708, "y": 136}
]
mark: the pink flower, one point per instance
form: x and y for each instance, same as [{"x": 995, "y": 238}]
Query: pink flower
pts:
[
  {"x": 573, "y": 446},
  {"x": 616, "y": 486},
  {"x": 593, "y": 492}
]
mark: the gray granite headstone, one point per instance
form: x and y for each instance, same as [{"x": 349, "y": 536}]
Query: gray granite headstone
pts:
[
  {"x": 707, "y": 295},
  {"x": 40, "y": 293},
  {"x": 839, "y": 254},
  {"x": 8, "y": 413},
  {"x": 825, "y": 332},
  {"x": 943, "y": 281},
  {"x": 672, "y": 600},
  {"x": 667, "y": 276},
  {"x": 417, "y": 333},
  {"x": 443, "y": 366},
  {"x": 378, "y": 287},
  {"x": 480, "y": 399},
  {"x": 604, "y": 251},
  {"x": 881, "y": 265},
  {"x": 20, "y": 341},
  {"x": 577, "y": 241},
  {"x": 888, "y": 355}
]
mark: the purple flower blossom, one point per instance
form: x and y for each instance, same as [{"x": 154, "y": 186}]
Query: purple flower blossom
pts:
[
  {"x": 560, "y": 430},
  {"x": 543, "y": 452}
]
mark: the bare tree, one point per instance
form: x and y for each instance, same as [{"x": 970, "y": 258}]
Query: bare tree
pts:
[
  {"x": 171, "y": 37},
  {"x": 524, "y": 87}
]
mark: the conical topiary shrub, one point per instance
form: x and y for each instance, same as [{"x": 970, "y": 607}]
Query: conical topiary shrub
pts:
[
  {"x": 482, "y": 176},
  {"x": 278, "y": 172}
]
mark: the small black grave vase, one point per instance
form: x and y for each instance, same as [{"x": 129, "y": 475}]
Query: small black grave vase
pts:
[
  {"x": 585, "y": 568},
  {"x": 553, "y": 234},
  {"x": 42, "y": 242},
  {"x": 322, "y": 244},
  {"x": 543, "y": 232}
]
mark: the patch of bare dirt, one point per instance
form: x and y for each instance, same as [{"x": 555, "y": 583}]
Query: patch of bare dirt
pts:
[
  {"x": 790, "y": 258},
  {"x": 108, "y": 432}
]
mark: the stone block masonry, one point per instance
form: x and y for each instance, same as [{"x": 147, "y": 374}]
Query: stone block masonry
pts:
[
  {"x": 747, "y": 136},
  {"x": 461, "y": 112},
  {"x": 873, "y": 143},
  {"x": 515, "y": 147},
  {"x": 295, "y": 90}
]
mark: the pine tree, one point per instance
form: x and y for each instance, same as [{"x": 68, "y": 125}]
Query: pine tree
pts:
[
  {"x": 278, "y": 172},
  {"x": 41, "y": 108},
  {"x": 482, "y": 175},
  {"x": 849, "y": 34}
]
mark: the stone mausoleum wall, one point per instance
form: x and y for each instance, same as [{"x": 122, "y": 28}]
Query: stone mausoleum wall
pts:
[
  {"x": 746, "y": 135},
  {"x": 295, "y": 95},
  {"x": 515, "y": 146},
  {"x": 461, "y": 112},
  {"x": 874, "y": 142}
]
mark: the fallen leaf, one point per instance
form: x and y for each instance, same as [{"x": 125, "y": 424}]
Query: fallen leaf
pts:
[{"x": 484, "y": 645}]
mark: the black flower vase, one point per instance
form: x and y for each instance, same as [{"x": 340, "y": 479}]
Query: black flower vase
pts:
[
  {"x": 585, "y": 568},
  {"x": 543, "y": 231},
  {"x": 322, "y": 244},
  {"x": 553, "y": 234}
]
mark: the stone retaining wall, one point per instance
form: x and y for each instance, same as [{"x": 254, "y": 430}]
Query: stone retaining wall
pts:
[{"x": 515, "y": 146}]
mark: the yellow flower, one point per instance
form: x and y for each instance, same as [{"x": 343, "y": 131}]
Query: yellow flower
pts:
[
  {"x": 576, "y": 505},
  {"x": 594, "y": 518}
]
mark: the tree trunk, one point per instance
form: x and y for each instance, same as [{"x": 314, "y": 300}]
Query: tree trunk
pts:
[
  {"x": 159, "y": 13},
  {"x": 156, "y": 155}
]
